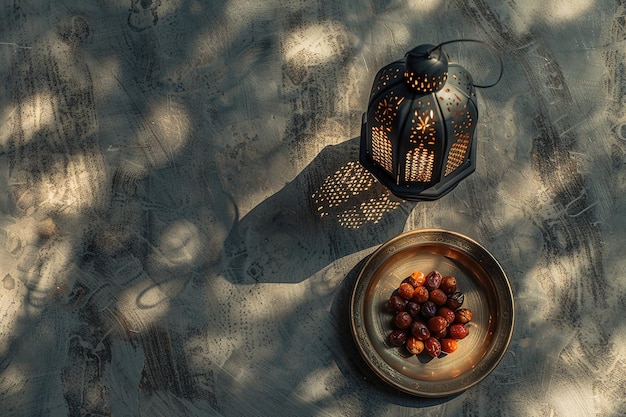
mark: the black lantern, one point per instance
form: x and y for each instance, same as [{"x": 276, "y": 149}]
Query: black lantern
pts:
[{"x": 418, "y": 137}]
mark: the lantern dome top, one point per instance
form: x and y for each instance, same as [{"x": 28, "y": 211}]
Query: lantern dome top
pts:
[{"x": 426, "y": 69}]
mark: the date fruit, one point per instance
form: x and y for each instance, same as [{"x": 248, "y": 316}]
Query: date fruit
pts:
[
  {"x": 449, "y": 345},
  {"x": 413, "y": 308},
  {"x": 448, "y": 284},
  {"x": 414, "y": 345},
  {"x": 419, "y": 330},
  {"x": 403, "y": 320},
  {"x": 458, "y": 331},
  {"x": 397, "y": 337},
  {"x": 406, "y": 290},
  {"x": 433, "y": 280},
  {"x": 438, "y": 297},
  {"x": 433, "y": 347},
  {"x": 416, "y": 279},
  {"x": 455, "y": 300},
  {"x": 427, "y": 314},
  {"x": 464, "y": 315},
  {"x": 440, "y": 334},
  {"x": 429, "y": 309},
  {"x": 447, "y": 313},
  {"x": 437, "y": 324},
  {"x": 396, "y": 303},
  {"x": 420, "y": 295}
]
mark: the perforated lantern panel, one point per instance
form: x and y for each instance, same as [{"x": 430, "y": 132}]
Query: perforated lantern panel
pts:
[
  {"x": 419, "y": 145},
  {"x": 458, "y": 107}
]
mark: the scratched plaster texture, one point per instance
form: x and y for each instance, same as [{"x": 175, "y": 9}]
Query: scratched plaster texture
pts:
[{"x": 182, "y": 212}]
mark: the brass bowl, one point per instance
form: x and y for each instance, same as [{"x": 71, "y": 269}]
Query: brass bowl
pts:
[{"x": 487, "y": 293}]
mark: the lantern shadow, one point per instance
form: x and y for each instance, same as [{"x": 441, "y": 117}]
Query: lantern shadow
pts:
[{"x": 333, "y": 208}]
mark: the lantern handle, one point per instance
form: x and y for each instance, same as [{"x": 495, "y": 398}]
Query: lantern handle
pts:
[{"x": 477, "y": 41}]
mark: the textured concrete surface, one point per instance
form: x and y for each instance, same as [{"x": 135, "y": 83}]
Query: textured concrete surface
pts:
[{"x": 183, "y": 213}]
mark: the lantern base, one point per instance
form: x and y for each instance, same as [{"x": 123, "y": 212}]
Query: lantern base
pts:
[{"x": 416, "y": 191}]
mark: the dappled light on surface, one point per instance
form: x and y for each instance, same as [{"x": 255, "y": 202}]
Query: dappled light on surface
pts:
[
  {"x": 13, "y": 379},
  {"x": 37, "y": 114},
  {"x": 60, "y": 196},
  {"x": 316, "y": 44},
  {"x": 179, "y": 244},
  {"x": 561, "y": 11},
  {"x": 168, "y": 132},
  {"x": 558, "y": 12},
  {"x": 314, "y": 387},
  {"x": 145, "y": 303},
  {"x": 425, "y": 5},
  {"x": 183, "y": 217}
]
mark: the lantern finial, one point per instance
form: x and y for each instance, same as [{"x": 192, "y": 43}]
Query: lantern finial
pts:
[{"x": 425, "y": 71}]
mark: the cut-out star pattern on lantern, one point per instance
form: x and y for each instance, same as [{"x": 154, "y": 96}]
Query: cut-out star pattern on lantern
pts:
[
  {"x": 423, "y": 127},
  {"x": 387, "y": 109}
]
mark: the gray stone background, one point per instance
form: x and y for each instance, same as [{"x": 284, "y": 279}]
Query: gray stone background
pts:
[{"x": 183, "y": 211}]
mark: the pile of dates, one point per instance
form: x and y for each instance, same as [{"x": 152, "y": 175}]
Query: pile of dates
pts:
[{"x": 428, "y": 314}]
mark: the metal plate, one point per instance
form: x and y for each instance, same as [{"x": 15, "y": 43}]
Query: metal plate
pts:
[{"x": 487, "y": 293}]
